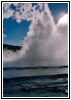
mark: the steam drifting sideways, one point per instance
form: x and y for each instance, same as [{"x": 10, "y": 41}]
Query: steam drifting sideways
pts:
[{"x": 46, "y": 43}]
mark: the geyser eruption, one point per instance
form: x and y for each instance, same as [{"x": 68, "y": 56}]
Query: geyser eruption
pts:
[{"x": 46, "y": 43}]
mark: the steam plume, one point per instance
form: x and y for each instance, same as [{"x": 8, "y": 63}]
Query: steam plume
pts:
[{"x": 46, "y": 43}]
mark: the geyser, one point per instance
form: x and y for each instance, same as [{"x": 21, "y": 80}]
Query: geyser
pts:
[{"x": 46, "y": 43}]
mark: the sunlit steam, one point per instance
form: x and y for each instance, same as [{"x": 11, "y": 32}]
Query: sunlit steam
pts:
[{"x": 46, "y": 43}]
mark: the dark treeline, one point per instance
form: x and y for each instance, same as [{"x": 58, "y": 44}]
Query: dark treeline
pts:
[{"x": 11, "y": 47}]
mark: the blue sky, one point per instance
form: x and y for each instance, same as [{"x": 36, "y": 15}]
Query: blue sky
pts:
[{"x": 16, "y": 31}]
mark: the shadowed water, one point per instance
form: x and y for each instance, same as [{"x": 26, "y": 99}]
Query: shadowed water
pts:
[{"x": 35, "y": 82}]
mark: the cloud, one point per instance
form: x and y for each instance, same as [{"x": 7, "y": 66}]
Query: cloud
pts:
[
  {"x": 46, "y": 43},
  {"x": 4, "y": 35},
  {"x": 7, "y": 12},
  {"x": 22, "y": 11},
  {"x": 63, "y": 20}
]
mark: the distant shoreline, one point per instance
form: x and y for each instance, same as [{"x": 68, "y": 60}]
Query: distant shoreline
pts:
[{"x": 11, "y": 47}]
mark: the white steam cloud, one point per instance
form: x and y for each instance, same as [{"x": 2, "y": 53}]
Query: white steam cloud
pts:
[{"x": 46, "y": 43}]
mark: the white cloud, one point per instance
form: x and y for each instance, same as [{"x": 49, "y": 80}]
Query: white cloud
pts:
[
  {"x": 4, "y": 35},
  {"x": 22, "y": 11},
  {"x": 63, "y": 20},
  {"x": 7, "y": 12},
  {"x": 45, "y": 43}
]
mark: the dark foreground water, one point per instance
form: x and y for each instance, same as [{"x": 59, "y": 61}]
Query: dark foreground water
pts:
[{"x": 35, "y": 82}]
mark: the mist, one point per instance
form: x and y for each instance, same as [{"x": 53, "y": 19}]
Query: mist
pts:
[{"x": 46, "y": 43}]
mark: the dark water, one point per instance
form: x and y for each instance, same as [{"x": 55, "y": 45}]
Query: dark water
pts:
[{"x": 35, "y": 82}]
